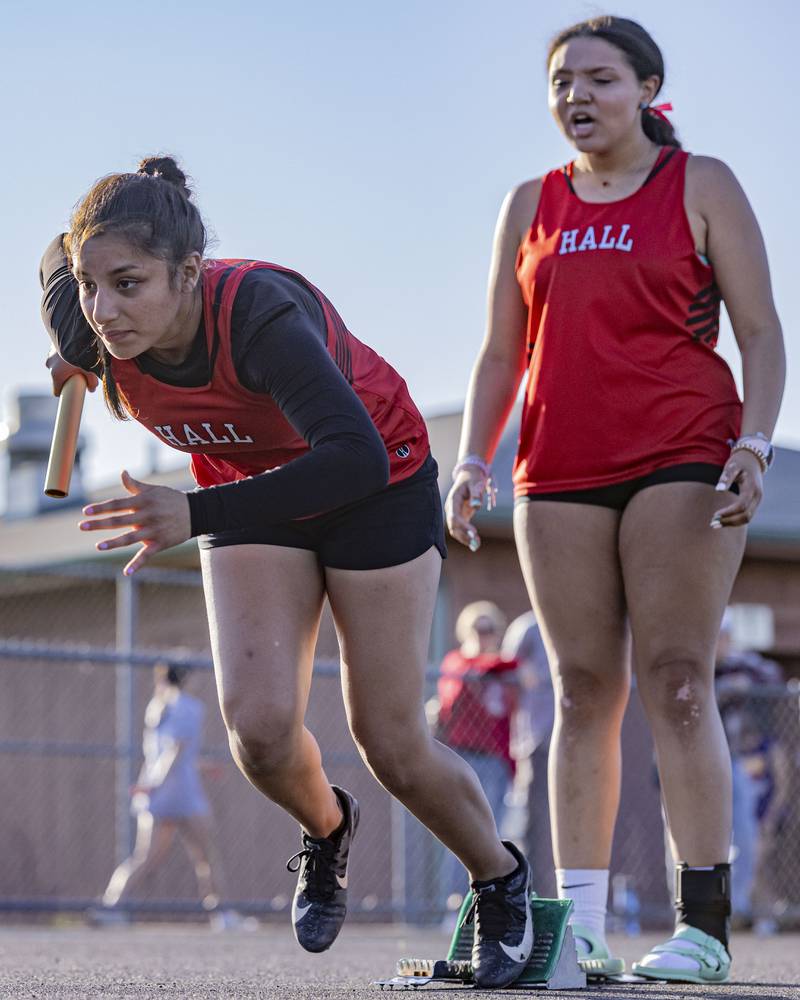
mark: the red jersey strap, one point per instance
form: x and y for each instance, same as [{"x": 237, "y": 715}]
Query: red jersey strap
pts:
[{"x": 231, "y": 431}]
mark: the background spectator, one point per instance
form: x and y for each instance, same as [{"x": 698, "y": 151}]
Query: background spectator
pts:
[{"x": 477, "y": 697}]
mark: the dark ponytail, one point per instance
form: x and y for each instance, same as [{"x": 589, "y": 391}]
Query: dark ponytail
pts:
[
  {"x": 658, "y": 129},
  {"x": 642, "y": 54},
  {"x": 153, "y": 209}
]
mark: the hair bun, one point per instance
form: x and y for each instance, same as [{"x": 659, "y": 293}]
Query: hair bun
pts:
[{"x": 167, "y": 169}]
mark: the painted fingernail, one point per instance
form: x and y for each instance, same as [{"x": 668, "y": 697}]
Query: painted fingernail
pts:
[
  {"x": 102, "y": 545},
  {"x": 88, "y": 510},
  {"x": 721, "y": 487},
  {"x": 474, "y": 544},
  {"x": 83, "y": 525},
  {"x": 716, "y": 524},
  {"x": 128, "y": 571}
]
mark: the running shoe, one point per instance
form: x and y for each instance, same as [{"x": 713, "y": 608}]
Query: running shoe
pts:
[
  {"x": 503, "y": 916},
  {"x": 320, "y": 900}
]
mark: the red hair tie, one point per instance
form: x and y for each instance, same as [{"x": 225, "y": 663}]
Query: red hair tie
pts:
[{"x": 658, "y": 111}]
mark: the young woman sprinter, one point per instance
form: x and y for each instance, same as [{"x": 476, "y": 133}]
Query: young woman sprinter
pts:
[
  {"x": 314, "y": 478},
  {"x": 638, "y": 467}
]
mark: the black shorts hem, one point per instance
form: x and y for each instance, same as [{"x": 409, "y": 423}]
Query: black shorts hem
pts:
[
  {"x": 617, "y": 495},
  {"x": 388, "y": 528}
]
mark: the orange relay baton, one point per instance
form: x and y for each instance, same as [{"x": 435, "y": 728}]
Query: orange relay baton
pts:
[{"x": 65, "y": 437}]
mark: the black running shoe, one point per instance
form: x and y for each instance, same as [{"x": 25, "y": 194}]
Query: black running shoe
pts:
[
  {"x": 320, "y": 900},
  {"x": 503, "y": 916}
]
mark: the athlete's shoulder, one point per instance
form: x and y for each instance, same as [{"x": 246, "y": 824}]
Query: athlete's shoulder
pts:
[
  {"x": 710, "y": 182},
  {"x": 519, "y": 208},
  {"x": 525, "y": 196},
  {"x": 709, "y": 172},
  {"x": 268, "y": 289},
  {"x": 710, "y": 167}
]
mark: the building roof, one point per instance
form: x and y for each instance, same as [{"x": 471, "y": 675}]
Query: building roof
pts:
[
  {"x": 775, "y": 530},
  {"x": 53, "y": 538}
]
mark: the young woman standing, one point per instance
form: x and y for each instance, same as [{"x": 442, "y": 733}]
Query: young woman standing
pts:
[
  {"x": 638, "y": 468},
  {"x": 315, "y": 479}
]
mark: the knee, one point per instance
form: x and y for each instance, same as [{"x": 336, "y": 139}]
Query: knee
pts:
[
  {"x": 262, "y": 743},
  {"x": 677, "y": 689},
  {"x": 393, "y": 754},
  {"x": 584, "y": 696},
  {"x": 202, "y": 869}
]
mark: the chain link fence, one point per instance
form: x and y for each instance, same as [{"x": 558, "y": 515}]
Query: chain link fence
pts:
[{"x": 77, "y": 648}]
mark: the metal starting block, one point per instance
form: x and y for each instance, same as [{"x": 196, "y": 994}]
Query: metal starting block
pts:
[{"x": 553, "y": 964}]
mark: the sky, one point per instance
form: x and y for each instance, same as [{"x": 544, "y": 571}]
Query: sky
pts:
[{"x": 368, "y": 145}]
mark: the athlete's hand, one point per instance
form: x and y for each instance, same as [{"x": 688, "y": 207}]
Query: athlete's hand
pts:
[
  {"x": 462, "y": 503},
  {"x": 61, "y": 370},
  {"x": 744, "y": 469},
  {"x": 157, "y": 516}
]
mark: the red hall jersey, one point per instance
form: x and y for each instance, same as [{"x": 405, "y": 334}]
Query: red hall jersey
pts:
[
  {"x": 623, "y": 319},
  {"x": 230, "y": 431}
]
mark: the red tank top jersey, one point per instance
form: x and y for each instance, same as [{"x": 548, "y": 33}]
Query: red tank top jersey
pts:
[
  {"x": 623, "y": 319},
  {"x": 230, "y": 431}
]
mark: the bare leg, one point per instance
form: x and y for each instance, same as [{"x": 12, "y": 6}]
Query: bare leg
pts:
[
  {"x": 568, "y": 554},
  {"x": 196, "y": 835},
  {"x": 264, "y": 605},
  {"x": 678, "y": 576},
  {"x": 384, "y": 619},
  {"x": 153, "y": 841}
]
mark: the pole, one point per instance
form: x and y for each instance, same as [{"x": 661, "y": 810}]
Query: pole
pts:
[{"x": 127, "y": 614}]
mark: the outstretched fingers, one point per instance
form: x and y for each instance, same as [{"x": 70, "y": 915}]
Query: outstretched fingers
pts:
[{"x": 156, "y": 517}]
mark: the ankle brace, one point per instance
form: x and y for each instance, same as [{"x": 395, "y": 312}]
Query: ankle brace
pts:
[{"x": 703, "y": 899}]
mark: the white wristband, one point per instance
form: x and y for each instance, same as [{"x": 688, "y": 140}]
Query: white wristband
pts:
[{"x": 474, "y": 461}]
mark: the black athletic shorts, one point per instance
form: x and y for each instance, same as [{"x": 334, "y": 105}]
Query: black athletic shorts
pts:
[
  {"x": 618, "y": 495},
  {"x": 384, "y": 529}
]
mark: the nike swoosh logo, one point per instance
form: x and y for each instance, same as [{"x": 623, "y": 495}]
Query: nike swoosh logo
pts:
[
  {"x": 521, "y": 952},
  {"x": 300, "y": 912},
  {"x": 578, "y": 885}
]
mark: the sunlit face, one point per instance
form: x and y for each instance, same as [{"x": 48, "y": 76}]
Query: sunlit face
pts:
[
  {"x": 485, "y": 634},
  {"x": 131, "y": 300},
  {"x": 594, "y": 94}
]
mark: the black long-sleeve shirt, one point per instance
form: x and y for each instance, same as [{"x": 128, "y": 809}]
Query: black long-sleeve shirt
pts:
[{"x": 278, "y": 347}]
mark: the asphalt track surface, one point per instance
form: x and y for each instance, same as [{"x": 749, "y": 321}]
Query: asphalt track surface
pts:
[{"x": 167, "y": 961}]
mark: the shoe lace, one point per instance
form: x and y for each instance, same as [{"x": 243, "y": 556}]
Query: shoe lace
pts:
[
  {"x": 491, "y": 912},
  {"x": 320, "y": 869}
]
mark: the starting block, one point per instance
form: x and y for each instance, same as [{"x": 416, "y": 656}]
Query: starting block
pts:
[{"x": 553, "y": 964}]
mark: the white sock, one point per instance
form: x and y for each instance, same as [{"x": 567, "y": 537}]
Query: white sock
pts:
[
  {"x": 588, "y": 890},
  {"x": 672, "y": 960}
]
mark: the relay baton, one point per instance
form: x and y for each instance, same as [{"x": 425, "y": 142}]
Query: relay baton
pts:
[{"x": 65, "y": 437}]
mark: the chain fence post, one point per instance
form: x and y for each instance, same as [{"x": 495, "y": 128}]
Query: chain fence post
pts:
[
  {"x": 397, "y": 834},
  {"x": 127, "y": 595}
]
